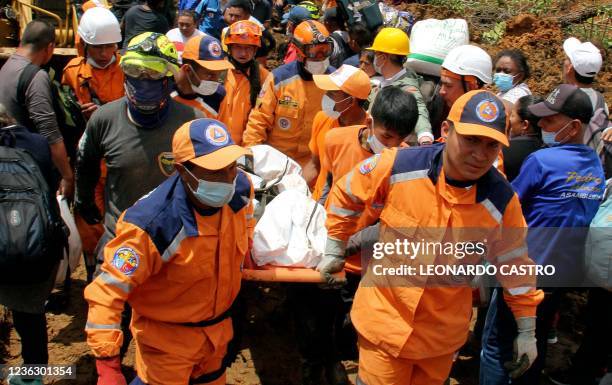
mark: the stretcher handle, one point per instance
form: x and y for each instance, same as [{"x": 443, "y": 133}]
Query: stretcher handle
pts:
[{"x": 285, "y": 274}]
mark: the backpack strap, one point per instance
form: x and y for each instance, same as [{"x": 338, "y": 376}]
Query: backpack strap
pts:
[
  {"x": 25, "y": 79},
  {"x": 7, "y": 136}
]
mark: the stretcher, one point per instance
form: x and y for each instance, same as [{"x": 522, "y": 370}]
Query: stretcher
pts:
[{"x": 271, "y": 273}]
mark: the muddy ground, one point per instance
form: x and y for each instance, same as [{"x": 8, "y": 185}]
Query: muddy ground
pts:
[{"x": 267, "y": 354}]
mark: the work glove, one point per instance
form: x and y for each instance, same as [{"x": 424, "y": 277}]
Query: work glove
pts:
[
  {"x": 89, "y": 212},
  {"x": 525, "y": 348},
  {"x": 332, "y": 262},
  {"x": 109, "y": 371},
  {"x": 364, "y": 238}
]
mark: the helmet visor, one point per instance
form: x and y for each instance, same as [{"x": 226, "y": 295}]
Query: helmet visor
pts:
[
  {"x": 318, "y": 51},
  {"x": 143, "y": 69}
]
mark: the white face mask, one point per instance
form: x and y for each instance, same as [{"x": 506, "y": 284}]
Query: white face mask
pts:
[
  {"x": 376, "y": 65},
  {"x": 375, "y": 145},
  {"x": 328, "y": 104},
  {"x": 213, "y": 194},
  {"x": 95, "y": 64},
  {"x": 205, "y": 88},
  {"x": 316, "y": 67}
]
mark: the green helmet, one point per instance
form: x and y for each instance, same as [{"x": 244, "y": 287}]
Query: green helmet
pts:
[
  {"x": 150, "y": 55},
  {"x": 312, "y": 8}
]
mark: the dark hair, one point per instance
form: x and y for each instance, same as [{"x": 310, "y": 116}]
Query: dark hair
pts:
[
  {"x": 583, "y": 79},
  {"x": 396, "y": 110},
  {"x": 397, "y": 59},
  {"x": 38, "y": 34},
  {"x": 369, "y": 54},
  {"x": 518, "y": 58},
  {"x": 188, "y": 13},
  {"x": 522, "y": 105},
  {"x": 245, "y": 5},
  {"x": 361, "y": 34}
]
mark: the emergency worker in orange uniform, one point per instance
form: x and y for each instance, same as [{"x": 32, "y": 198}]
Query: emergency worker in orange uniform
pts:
[
  {"x": 408, "y": 334},
  {"x": 347, "y": 90},
  {"x": 243, "y": 83},
  {"x": 326, "y": 335},
  {"x": 289, "y": 98},
  {"x": 199, "y": 82},
  {"x": 176, "y": 259},
  {"x": 95, "y": 78}
]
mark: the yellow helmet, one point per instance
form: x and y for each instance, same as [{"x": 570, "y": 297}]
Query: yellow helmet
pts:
[
  {"x": 391, "y": 40},
  {"x": 150, "y": 55}
]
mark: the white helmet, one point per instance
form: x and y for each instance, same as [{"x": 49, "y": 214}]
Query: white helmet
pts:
[
  {"x": 469, "y": 60},
  {"x": 99, "y": 26}
]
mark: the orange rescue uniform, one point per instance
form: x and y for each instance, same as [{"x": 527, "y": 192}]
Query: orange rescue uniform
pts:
[
  {"x": 413, "y": 327},
  {"x": 342, "y": 151},
  {"x": 284, "y": 113},
  {"x": 180, "y": 271},
  {"x": 236, "y": 105},
  {"x": 320, "y": 127}
]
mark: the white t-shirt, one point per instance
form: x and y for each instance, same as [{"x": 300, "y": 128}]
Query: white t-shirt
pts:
[
  {"x": 515, "y": 93},
  {"x": 179, "y": 40}
]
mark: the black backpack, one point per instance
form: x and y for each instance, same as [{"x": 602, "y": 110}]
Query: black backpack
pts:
[
  {"x": 65, "y": 105},
  {"x": 32, "y": 234}
]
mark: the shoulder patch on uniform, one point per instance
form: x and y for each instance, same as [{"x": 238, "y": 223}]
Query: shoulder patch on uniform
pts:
[
  {"x": 166, "y": 163},
  {"x": 369, "y": 164},
  {"x": 126, "y": 260}
]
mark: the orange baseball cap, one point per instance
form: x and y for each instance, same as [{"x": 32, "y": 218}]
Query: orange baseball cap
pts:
[
  {"x": 347, "y": 78},
  {"x": 207, "y": 143},
  {"x": 207, "y": 52},
  {"x": 480, "y": 113}
]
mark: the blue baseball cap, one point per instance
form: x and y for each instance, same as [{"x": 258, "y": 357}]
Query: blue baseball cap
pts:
[{"x": 206, "y": 143}]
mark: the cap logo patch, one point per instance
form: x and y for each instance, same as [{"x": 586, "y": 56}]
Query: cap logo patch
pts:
[
  {"x": 369, "y": 164},
  {"x": 552, "y": 97},
  {"x": 487, "y": 111},
  {"x": 214, "y": 48},
  {"x": 216, "y": 135},
  {"x": 126, "y": 260}
]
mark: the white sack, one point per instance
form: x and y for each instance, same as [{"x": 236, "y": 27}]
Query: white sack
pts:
[
  {"x": 291, "y": 232},
  {"x": 75, "y": 247}
]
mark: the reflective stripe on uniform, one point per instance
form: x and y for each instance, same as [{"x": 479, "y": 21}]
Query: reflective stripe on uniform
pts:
[
  {"x": 348, "y": 191},
  {"x": 285, "y": 82},
  {"x": 492, "y": 210},
  {"x": 109, "y": 279},
  {"x": 512, "y": 254},
  {"x": 520, "y": 290},
  {"x": 174, "y": 245},
  {"x": 91, "y": 325},
  {"x": 410, "y": 175},
  {"x": 343, "y": 212}
]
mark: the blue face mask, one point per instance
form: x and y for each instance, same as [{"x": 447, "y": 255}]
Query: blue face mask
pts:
[
  {"x": 213, "y": 194},
  {"x": 503, "y": 81},
  {"x": 549, "y": 137},
  {"x": 147, "y": 100}
]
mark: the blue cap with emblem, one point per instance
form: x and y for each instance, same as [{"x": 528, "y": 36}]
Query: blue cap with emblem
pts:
[{"x": 206, "y": 143}]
